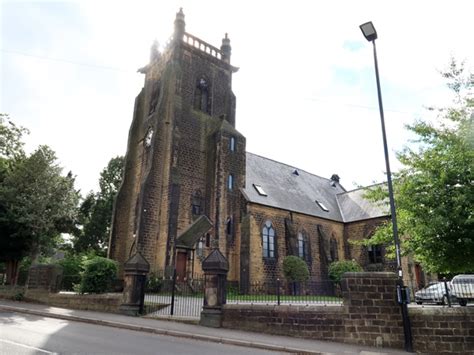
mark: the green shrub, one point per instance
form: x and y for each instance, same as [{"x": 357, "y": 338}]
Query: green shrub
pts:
[
  {"x": 154, "y": 283},
  {"x": 98, "y": 275},
  {"x": 295, "y": 269},
  {"x": 19, "y": 296},
  {"x": 338, "y": 268},
  {"x": 72, "y": 268}
]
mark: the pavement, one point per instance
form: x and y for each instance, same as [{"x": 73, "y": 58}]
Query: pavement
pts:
[{"x": 184, "y": 328}]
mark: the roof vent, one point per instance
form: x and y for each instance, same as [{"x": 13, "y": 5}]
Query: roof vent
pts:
[
  {"x": 335, "y": 178},
  {"x": 295, "y": 172}
]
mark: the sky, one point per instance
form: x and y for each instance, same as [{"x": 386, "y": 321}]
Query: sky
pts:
[{"x": 306, "y": 91}]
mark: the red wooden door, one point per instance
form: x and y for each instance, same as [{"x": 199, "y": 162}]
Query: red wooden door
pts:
[{"x": 181, "y": 266}]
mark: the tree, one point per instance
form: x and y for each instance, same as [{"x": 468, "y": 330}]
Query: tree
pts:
[
  {"x": 434, "y": 192},
  {"x": 11, "y": 150},
  {"x": 39, "y": 204},
  {"x": 295, "y": 269},
  {"x": 95, "y": 212},
  {"x": 11, "y": 144}
]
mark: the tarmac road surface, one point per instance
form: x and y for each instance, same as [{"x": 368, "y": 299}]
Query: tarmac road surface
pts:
[{"x": 30, "y": 334}]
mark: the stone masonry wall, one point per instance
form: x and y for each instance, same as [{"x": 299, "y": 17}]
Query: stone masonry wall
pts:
[
  {"x": 121, "y": 237},
  {"x": 443, "y": 330},
  {"x": 108, "y": 302},
  {"x": 372, "y": 308},
  {"x": 370, "y": 315},
  {"x": 262, "y": 269},
  {"x": 358, "y": 231}
]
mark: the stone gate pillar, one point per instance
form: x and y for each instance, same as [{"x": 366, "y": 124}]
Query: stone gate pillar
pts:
[
  {"x": 135, "y": 270},
  {"x": 215, "y": 268},
  {"x": 375, "y": 318}
]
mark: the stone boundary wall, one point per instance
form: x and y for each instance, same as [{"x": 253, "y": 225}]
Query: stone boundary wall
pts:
[
  {"x": 108, "y": 302},
  {"x": 370, "y": 315},
  {"x": 315, "y": 322},
  {"x": 443, "y": 330},
  {"x": 12, "y": 292}
]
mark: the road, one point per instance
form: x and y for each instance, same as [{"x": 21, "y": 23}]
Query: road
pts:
[{"x": 27, "y": 334}]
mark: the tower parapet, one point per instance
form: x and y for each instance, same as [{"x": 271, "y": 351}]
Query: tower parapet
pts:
[{"x": 203, "y": 46}]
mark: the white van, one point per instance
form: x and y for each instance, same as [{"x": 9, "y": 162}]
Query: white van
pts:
[{"x": 463, "y": 288}]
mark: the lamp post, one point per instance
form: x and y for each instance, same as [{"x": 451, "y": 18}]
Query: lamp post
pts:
[{"x": 370, "y": 34}]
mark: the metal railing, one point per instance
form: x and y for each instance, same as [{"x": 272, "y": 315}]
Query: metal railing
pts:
[
  {"x": 174, "y": 296},
  {"x": 279, "y": 292}
]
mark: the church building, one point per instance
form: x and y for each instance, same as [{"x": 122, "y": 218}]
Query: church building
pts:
[{"x": 190, "y": 185}]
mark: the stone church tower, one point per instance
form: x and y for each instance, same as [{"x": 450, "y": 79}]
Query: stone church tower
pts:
[
  {"x": 185, "y": 161},
  {"x": 190, "y": 186}
]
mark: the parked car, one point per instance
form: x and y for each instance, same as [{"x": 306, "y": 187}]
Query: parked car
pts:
[
  {"x": 435, "y": 293},
  {"x": 463, "y": 288}
]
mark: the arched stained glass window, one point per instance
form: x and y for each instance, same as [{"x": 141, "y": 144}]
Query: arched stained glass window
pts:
[
  {"x": 303, "y": 250},
  {"x": 268, "y": 240}
]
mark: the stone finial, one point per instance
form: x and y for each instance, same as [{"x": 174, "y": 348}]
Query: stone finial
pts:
[
  {"x": 335, "y": 178},
  {"x": 154, "y": 51},
  {"x": 226, "y": 49},
  {"x": 179, "y": 25},
  {"x": 215, "y": 261},
  {"x": 137, "y": 263}
]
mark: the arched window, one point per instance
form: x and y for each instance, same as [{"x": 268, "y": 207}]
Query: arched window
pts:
[
  {"x": 229, "y": 228},
  {"x": 303, "y": 251},
  {"x": 230, "y": 182},
  {"x": 196, "y": 204},
  {"x": 232, "y": 144},
  {"x": 268, "y": 240},
  {"x": 201, "y": 96},
  {"x": 333, "y": 249},
  {"x": 199, "y": 248}
]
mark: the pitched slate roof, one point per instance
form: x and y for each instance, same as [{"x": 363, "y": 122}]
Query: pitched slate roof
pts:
[
  {"x": 293, "y": 189},
  {"x": 191, "y": 235},
  {"x": 289, "y": 190},
  {"x": 354, "y": 207}
]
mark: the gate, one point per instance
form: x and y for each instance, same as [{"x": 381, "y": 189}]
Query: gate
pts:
[{"x": 174, "y": 296}]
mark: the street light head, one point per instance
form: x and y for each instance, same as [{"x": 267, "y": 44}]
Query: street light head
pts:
[{"x": 369, "y": 31}]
